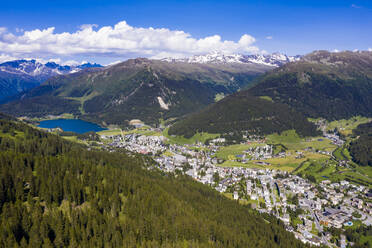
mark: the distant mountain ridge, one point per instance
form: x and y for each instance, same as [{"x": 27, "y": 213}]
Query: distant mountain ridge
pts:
[
  {"x": 140, "y": 88},
  {"x": 322, "y": 84},
  {"x": 274, "y": 60},
  {"x": 20, "y": 75},
  {"x": 39, "y": 70}
]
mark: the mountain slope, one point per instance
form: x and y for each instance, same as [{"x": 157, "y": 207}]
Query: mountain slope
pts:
[
  {"x": 244, "y": 112},
  {"x": 12, "y": 84},
  {"x": 57, "y": 194},
  {"x": 323, "y": 84},
  {"x": 361, "y": 148},
  {"x": 21, "y": 75},
  {"x": 136, "y": 89}
]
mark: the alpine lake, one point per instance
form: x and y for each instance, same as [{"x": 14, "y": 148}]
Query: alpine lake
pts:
[{"x": 71, "y": 125}]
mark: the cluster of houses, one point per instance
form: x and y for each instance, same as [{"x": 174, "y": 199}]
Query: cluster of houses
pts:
[
  {"x": 139, "y": 143},
  {"x": 271, "y": 191},
  {"x": 258, "y": 153}
]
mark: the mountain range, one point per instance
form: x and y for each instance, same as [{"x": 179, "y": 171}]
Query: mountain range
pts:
[
  {"x": 321, "y": 84},
  {"x": 21, "y": 75},
  {"x": 274, "y": 60},
  {"x": 144, "y": 89},
  {"x": 271, "y": 98}
]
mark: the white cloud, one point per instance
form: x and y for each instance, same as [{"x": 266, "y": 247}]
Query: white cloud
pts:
[
  {"x": 370, "y": 49},
  {"x": 336, "y": 51},
  {"x": 114, "y": 63},
  {"x": 3, "y": 30},
  {"x": 5, "y": 57},
  {"x": 88, "y": 26},
  {"x": 355, "y": 6},
  {"x": 269, "y": 37},
  {"x": 121, "y": 40},
  {"x": 71, "y": 62}
]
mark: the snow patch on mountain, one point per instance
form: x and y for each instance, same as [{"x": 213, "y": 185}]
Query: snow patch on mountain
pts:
[
  {"x": 275, "y": 59},
  {"x": 162, "y": 104}
]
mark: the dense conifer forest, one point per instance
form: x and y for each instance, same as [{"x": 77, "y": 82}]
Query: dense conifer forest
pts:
[
  {"x": 244, "y": 112},
  {"x": 361, "y": 148},
  {"x": 322, "y": 84},
  {"x": 54, "y": 193}
]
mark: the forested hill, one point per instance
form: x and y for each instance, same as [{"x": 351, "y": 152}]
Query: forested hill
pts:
[
  {"x": 361, "y": 148},
  {"x": 323, "y": 84},
  {"x": 57, "y": 194},
  {"x": 244, "y": 112}
]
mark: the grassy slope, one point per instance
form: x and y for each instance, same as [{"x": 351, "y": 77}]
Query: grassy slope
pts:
[
  {"x": 198, "y": 137},
  {"x": 346, "y": 126}
]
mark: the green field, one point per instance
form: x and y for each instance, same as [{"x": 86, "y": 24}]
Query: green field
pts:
[
  {"x": 327, "y": 169},
  {"x": 219, "y": 97},
  {"x": 292, "y": 141},
  {"x": 230, "y": 163},
  {"x": 143, "y": 131},
  {"x": 290, "y": 162},
  {"x": 346, "y": 126},
  {"x": 252, "y": 164},
  {"x": 342, "y": 153},
  {"x": 110, "y": 132},
  {"x": 233, "y": 150},
  {"x": 82, "y": 100},
  {"x": 267, "y": 98},
  {"x": 199, "y": 137}
]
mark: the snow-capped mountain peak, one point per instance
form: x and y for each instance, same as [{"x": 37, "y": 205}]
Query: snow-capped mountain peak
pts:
[
  {"x": 216, "y": 57},
  {"x": 39, "y": 70}
]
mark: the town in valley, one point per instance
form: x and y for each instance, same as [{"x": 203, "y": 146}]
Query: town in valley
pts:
[{"x": 311, "y": 206}]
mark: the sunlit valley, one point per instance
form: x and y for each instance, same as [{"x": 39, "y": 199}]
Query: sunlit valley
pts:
[{"x": 167, "y": 138}]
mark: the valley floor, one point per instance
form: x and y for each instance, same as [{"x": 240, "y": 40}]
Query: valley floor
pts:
[{"x": 311, "y": 184}]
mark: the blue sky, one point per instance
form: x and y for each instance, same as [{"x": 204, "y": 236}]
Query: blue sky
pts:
[{"x": 291, "y": 27}]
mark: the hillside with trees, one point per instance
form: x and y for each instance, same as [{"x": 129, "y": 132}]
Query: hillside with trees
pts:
[
  {"x": 54, "y": 193},
  {"x": 322, "y": 84},
  {"x": 244, "y": 112},
  {"x": 361, "y": 147},
  {"x": 143, "y": 89}
]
